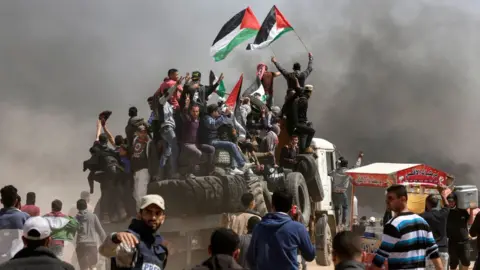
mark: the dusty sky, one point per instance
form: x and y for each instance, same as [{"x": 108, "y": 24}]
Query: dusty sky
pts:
[{"x": 396, "y": 79}]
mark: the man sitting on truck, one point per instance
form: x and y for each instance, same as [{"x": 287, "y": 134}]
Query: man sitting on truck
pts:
[
  {"x": 288, "y": 156},
  {"x": 213, "y": 121}
]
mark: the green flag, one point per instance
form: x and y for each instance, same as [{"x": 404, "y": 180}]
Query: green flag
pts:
[{"x": 221, "y": 89}]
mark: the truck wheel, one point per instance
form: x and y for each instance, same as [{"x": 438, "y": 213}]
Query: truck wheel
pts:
[
  {"x": 255, "y": 187},
  {"x": 217, "y": 187},
  {"x": 295, "y": 184},
  {"x": 307, "y": 166},
  {"x": 233, "y": 189},
  {"x": 177, "y": 193},
  {"x": 323, "y": 242}
]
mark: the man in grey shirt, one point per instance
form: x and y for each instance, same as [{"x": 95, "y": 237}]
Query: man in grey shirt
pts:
[
  {"x": 88, "y": 230},
  {"x": 341, "y": 183}
]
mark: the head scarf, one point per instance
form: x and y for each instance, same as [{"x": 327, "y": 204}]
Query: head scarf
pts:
[{"x": 261, "y": 70}]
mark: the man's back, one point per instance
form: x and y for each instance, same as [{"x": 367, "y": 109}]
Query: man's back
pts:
[
  {"x": 276, "y": 241},
  {"x": 11, "y": 225},
  {"x": 39, "y": 258},
  {"x": 31, "y": 209},
  {"x": 437, "y": 220}
]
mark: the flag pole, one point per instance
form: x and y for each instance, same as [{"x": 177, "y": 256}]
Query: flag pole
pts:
[{"x": 299, "y": 38}]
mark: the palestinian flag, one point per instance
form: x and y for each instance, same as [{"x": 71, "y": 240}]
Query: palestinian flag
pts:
[
  {"x": 243, "y": 26},
  {"x": 256, "y": 87},
  {"x": 234, "y": 96},
  {"x": 221, "y": 86},
  {"x": 273, "y": 27}
]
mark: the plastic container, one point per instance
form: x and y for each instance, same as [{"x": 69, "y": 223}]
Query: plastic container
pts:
[{"x": 467, "y": 196}]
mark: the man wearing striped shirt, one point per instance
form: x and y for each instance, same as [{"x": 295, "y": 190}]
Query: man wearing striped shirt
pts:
[{"x": 407, "y": 239}]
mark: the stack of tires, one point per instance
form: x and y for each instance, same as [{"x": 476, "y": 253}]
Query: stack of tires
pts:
[{"x": 208, "y": 194}]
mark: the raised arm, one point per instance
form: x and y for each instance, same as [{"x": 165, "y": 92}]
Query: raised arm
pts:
[
  {"x": 283, "y": 71},
  {"x": 309, "y": 69},
  {"x": 109, "y": 135},
  {"x": 215, "y": 123},
  {"x": 170, "y": 92}
]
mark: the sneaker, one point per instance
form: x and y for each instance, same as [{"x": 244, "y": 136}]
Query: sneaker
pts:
[{"x": 236, "y": 171}]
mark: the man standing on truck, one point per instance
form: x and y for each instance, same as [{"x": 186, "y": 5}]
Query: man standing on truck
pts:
[
  {"x": 299, "y": 123},
  {"x": 341, "y": 183},
  {"x": 437, "y": 220},
  {"x": 139, "y": 246},
  {"x": 300, "y": 75}
]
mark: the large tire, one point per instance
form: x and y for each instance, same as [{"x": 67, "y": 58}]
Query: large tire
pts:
[
  {"x": 255, "y": 187},
  {"x": 323, "y": 242},
  {"x": 295, "y": 184},
  {"x": 307, "y": 166},
  {"x": 234, "y": 187},
  {"x": 178, "y": 194}
]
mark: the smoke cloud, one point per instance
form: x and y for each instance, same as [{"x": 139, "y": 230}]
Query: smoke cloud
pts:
[{"x": 395, "y": 79}]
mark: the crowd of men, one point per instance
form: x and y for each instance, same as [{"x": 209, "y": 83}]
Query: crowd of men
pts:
[{"x": 184, "y": 131}]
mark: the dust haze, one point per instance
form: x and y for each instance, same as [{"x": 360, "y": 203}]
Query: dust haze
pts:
[{"x": 395, "y": 79}]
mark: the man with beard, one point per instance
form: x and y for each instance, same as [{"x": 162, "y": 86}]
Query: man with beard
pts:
[
  {"x": 300, "y": 75},
  {"x": 139, "y": 247}
]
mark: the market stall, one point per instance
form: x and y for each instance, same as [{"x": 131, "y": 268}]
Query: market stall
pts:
[{"x": 419, "y": 179}]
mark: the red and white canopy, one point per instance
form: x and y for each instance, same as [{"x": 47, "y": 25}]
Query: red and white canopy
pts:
[{"x": 387, "y": 174}]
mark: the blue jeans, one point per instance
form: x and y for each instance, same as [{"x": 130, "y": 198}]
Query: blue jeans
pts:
[
  {"x": 232, "y": 149},
  {"x": 170, "y": 148}
]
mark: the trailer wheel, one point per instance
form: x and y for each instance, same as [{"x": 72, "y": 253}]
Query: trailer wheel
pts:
[
  {"x": 323, "y": 242},
  {"x": 295, "y": 184}
]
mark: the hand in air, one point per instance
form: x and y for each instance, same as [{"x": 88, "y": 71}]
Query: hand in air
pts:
[
  {"x": 310, "y": 54},
  {"x": 187, "y": 77},
  {"x": 179, "y": 81},
  {"x": 274, "y": 60}
]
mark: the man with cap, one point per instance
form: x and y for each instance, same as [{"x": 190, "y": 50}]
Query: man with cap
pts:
[
  {"x": 198, "y": 92},
  {"x": 139, "y": 247},
  {"x": 298, "y": 122},
  {"x": 36, "y": 254},
  {"x": 300, "y": 75}
]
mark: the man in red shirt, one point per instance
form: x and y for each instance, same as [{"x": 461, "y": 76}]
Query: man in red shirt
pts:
[
  {"x": 267, "y": 81},
  {"x": 30, "y": 207},
  {"x": 168, "y": 82}
]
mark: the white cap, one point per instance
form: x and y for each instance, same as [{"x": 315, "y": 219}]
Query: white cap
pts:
[
  {"x": 372, "y": 219},
  {"x": 38, "y": 224},
  {"x": 152, "y": 199}
]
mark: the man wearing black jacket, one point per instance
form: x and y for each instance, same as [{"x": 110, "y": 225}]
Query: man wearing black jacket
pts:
[
  {"x": 36, "y": 254},
  {"x": 298, "y": 123},
  {"x": 300, "y": 75},
  {"x": 457, "y": 232},
  {"x": 437, "y": 220}
]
